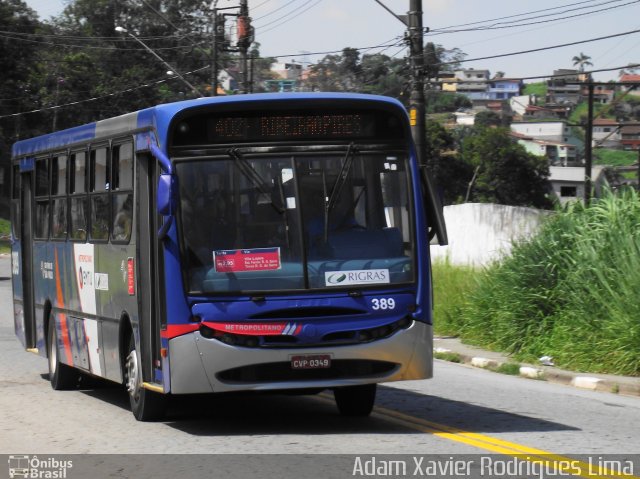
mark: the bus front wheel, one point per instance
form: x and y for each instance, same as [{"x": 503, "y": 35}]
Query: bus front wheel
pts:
[
  {"x": 62, "y": 376},
  {"x": 355, "y": 400},
  {"x": 146, "y": 405}
]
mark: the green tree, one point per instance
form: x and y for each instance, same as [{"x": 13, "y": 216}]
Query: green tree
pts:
[
  {"x": 504, "y": 172},
  {"x": 431, "y": 61},
  {"x": 17, "y": 55},
  {"x": 261, "y": 68},
  {"x": 382, "y": 75},
  {"x": 324, "y": 74},
  {"x": 18, "y": 52},
  {"x": 450, "y": 59},
  {"x": 487, "y": 118},
  {"x": 437, "y": 101},
  {"x": 449, "y": 173},
  {"x": 581, "y": 61},
  {"x": 349, "y": 69}
]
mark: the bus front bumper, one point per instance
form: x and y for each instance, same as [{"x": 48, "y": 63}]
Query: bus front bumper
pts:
[{"x": 201, "y": 365}]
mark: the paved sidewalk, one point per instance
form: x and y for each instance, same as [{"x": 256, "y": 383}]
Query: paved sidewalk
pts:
[{"x": 489, "y": 359}]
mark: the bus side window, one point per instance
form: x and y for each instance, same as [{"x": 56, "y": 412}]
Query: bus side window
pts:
[
  {"x": 42, "y": 199},
  {"x": 99, "y": 193},
  {"x": 15, "y": 203},
  {"x": 59, "y": 197},
  {"x": 122, "y": 192},
  {"x": 78, "y": 199}
]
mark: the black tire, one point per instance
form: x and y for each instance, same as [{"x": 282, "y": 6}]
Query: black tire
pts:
[
  {"x": 355, "y": 401},
  {"x": 145, "y": 405},
  {"x": 62, "y": 376}
]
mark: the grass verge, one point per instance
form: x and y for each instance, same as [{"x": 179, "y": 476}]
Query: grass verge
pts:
[{"x": 570, "y": 292}]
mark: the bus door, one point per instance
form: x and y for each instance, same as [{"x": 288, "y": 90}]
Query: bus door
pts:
[
  {"x": 149, "y": 264},
  {"x": 26, "y": 261}
]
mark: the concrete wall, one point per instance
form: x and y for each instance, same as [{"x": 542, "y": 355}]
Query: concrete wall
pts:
[{"x": 480, "y": 233}]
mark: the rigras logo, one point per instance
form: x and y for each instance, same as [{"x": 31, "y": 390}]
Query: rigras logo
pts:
[
  {"x": 365, "y": 276},
  {"x": 336, "y": 278}
]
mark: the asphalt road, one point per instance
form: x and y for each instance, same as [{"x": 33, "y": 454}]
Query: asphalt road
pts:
[{"x": 462, "y": 410}]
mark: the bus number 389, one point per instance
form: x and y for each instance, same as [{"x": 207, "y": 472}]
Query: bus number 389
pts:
[{"x": 383, "y": 303}]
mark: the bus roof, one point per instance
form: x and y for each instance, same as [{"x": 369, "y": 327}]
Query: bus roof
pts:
[{"x": 159, "y": 117}]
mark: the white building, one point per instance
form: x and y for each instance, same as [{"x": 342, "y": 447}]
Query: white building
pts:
[
  {"x": 287, "y": 71},
  {"x": 520, "y": 103},
  {"x": 606, "y": 133},
  {"x": 567, "y": 182},
  {"x": 557, "y": 152},
  {"x": 543, "y": 130}
]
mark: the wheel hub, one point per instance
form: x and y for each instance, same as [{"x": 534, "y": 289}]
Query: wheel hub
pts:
[
  {"x": 133, "y": 383},
  {"x": 53, "y": 353}
]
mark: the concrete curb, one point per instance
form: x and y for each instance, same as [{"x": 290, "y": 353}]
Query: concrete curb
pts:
[{"x": 624, "y": 385}]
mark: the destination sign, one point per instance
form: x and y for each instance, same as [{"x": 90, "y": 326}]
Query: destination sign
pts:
[
  {"x": 302, "y": 124},
  {"x": 290, "y": 127}
]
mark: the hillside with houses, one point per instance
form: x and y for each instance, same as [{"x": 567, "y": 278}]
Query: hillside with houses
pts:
[{"x": 549, "y": 119}]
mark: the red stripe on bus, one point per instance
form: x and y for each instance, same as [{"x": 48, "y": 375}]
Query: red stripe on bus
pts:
[
  {"x": 64, "y": 330},
  {"x": 250, "y": 329},
  {"x": 174, "y": 330}
]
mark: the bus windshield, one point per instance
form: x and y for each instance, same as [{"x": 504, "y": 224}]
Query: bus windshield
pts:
[{"x": 282, "y": 222}]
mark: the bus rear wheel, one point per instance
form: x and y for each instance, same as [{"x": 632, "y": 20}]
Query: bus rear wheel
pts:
[
  {"x": 355, "y": 400},
  {"x": 61, "y": 376},
  {"x": 145, "y": 405}
]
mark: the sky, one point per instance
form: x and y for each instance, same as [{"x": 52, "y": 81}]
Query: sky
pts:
[{"x": 293, "y": 27}]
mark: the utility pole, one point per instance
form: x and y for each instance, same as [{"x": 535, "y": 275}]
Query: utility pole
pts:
[
  {"x": 245, "y": 38},
  {"x": 415, "y": 37},
  {"x": 416, "y": 100},
  {"x": 214, "y": 50},
  {"x": 588, "y": 148},
  {"x": 218, "y": 45}
]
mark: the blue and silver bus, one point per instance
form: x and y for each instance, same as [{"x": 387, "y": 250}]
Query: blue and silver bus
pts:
[{"x": 245, "y": 243}]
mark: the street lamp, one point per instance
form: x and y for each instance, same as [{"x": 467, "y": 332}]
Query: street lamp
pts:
[{"x": 173, "y": 70}]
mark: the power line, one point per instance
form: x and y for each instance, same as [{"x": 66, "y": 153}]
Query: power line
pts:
[
  {"x": 533, "y": 50},
  {"x": 496, "y": 25},
  {"x": 274, "y": 11},
  {"x": 108, "y": 95},
  {"x": 513, "y": 16},
  {"x": 600, "y": 70},
  {"x": 284, "y": 17},
  {"x": 91, "y": 47},
  {"x": 259, "y": 5},
  {"x": 76, "y": 37},
  {"x": 433, "y": 33},
  {"x": 208, "y": 66}
]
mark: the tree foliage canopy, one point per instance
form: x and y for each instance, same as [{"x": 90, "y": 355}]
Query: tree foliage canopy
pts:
[
  {"x": 505, "y": 172},
  {"x": 77, "y": 69}
]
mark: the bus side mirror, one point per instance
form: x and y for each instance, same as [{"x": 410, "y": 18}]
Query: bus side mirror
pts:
[
  {"x": 165, "y": 194},
  {"x": 433, "y": 208}
]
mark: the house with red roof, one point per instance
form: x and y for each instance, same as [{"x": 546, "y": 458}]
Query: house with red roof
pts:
[
  {"x": 606, "y": 133},
  {"x": 630, "y": 78}
]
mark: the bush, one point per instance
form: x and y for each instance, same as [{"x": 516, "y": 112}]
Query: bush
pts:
[
  {"x": 570, "y": 292},
  {"x": 450, "y": 287}
]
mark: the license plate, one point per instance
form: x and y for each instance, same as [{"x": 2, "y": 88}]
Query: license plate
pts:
[{"x": 311, "y": 361}]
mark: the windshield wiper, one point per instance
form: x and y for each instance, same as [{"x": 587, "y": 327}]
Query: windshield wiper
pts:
[
  {"x": 336, "y": 189},
  {"x": 253, "y": 176}
]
